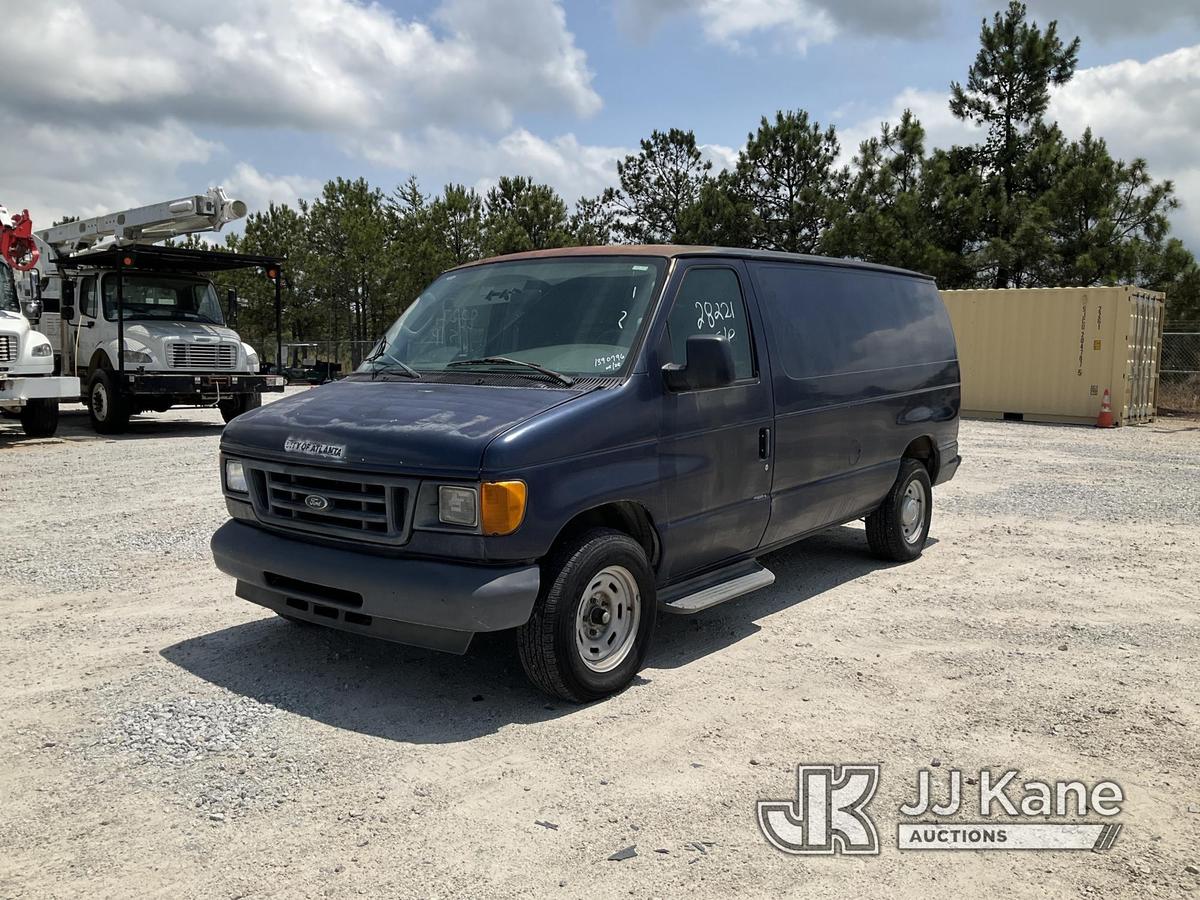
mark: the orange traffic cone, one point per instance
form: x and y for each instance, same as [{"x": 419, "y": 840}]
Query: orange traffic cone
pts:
[{"x": 1105, "y": 419}]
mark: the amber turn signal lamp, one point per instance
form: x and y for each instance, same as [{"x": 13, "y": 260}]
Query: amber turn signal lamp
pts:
[{"x": 503, "y": 506}]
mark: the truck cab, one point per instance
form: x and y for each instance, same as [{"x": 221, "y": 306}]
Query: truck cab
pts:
[
  {"x": 142, "y": 324},
  {"x": 178, "y": 347},
  {"x": 29, "y": 388}
]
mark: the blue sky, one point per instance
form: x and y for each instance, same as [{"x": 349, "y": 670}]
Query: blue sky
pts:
[{"x": 272, "y": 98}]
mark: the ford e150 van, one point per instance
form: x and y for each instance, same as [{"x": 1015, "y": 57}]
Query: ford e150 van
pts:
[{"x": 567, "y": 442}]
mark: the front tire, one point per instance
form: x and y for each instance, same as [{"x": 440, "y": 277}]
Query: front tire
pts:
[
  {"x": 106, "y": 407},
  {"x": 592, "y": 625},
  {"x": 899, "y": 528},
  {"x": 39, "y": 418}
]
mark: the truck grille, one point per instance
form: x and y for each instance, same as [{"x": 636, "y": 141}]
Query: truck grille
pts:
[
  {"x": 8, "y": 348},
  {"x": 372, "y": 508},
  {"x": 187, "y": 355}
]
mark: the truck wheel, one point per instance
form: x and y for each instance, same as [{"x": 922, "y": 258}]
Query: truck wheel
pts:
[
  {"x": 231, "y": 409},
  {"x": 106, "y": 408},
  {"x": 39, "y": 418},
  {"x": 593, "y": 620},
  {"x": 898, "y": 529}
]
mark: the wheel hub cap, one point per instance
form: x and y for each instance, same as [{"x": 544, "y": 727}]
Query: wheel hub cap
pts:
[
  {"x": 912, "y": 512},
  {"x": 606, "y": 624}
]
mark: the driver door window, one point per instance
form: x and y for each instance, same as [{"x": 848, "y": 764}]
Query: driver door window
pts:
[
  {"x": 87, "y": 297},
  {"x": 710, "y": 302}
]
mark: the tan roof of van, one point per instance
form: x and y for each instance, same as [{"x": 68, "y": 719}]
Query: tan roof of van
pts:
[{"x": 672, "y": 251}]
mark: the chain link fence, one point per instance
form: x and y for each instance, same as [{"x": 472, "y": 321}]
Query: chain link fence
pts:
[
  {"x": 1179, "y": 369},
  {"x": 1181, "y": 351}
]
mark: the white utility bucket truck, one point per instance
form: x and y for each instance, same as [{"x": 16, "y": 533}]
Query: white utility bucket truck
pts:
[
  {"x": 30, "y": 389},
  {"x": 112, "y": 286}
]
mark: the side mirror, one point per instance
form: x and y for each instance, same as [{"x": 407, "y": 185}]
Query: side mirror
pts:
[
  {"x": 32, "y": 310},
  {"x": 709, "y": 365},
  {"x": 231, "y": 307},
  {"x": 66, "y": 307}
]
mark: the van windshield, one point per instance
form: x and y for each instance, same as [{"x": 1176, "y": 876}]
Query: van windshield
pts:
[
  {"x": 574, "y": 315},
  {"x": 150, "y": 296},
  {"x": 8, "y": 290}
]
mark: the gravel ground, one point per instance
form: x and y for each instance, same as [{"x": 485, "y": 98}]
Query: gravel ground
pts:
[{"x": 162, "y": 738}]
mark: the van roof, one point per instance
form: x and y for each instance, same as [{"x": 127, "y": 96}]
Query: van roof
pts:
[{"x": 674, "y": 251}]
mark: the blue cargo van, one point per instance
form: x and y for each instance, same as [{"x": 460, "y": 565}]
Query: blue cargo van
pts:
[{"x": 567, "y": 442}]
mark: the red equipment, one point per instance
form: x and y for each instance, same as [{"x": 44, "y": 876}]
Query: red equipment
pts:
[{"x": 16, "y": 243}]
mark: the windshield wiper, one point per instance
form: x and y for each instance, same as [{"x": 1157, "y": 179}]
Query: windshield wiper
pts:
[
  {"x": 565, "y": 380},
  {"x": 395, "y": 367},
  {"x": 392, "y": 367}
]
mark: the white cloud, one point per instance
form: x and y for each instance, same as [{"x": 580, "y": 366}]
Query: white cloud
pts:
[
  {"x": 259, "y": 190},
  {"x": 572, "y": 168},
  {"x": 315, "y": 65},
  {"x": 931, "y": 107},
  {"x": 721, "y": 156},
  {"x": 122, "y": 92},
  {"x": 1108, "y": 19},
  {"x": 790, "y": 24},
  {"x": 1145, "y": 109},
  {"x": 87, "y": 170}
]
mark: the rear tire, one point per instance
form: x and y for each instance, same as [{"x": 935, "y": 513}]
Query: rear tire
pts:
[
  {"x": 234, "y": 407},
  {"x": 39, "y": 418},
  {"x": 592, "y": 624},
  {"x": 106, "y": 407},
  {"x": 898, "y": 529}
]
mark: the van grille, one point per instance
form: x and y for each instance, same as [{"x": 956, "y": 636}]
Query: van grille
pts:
[
  {"x": 336, "y": 504},
  {"x": 186, "y": 355},
  {"x": 8, "y": 347}
]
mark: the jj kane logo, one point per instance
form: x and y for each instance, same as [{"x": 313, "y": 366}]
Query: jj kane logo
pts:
[{"x": 829, "y": 814}]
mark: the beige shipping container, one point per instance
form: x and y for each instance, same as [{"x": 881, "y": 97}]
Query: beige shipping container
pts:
[{"x": 1048, "y": 354}]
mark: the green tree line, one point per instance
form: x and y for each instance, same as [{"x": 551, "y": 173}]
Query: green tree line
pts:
[{"x": 1025, "y": 206}]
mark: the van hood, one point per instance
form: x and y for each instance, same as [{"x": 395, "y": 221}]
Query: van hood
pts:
[{"x": 389, "y": 426}]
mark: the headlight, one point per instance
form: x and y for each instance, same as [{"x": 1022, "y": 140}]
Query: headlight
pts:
[
  {"x": 458, "y": 505},
  {"x": 138, "y": 356},
  {"x": 42, "y": 350},
  {"x": 235, "y": 476}
]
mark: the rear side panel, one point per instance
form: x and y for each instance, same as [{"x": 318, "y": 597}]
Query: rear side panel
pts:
[{"x": 863, "y": 364}]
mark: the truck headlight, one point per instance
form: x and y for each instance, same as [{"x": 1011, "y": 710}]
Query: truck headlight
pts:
[
  {"x": 235, "y": 476},
  {"x": 458, "y": 505},
  {"x": 41, "y": 350},
  {"x": 138, "y": 356}
]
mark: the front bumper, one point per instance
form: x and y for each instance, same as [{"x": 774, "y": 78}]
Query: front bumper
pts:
[
  {"x": 207, "y": 385},
  {"x": 428, "y": 603},
  {"x": 17, "y": 390}
]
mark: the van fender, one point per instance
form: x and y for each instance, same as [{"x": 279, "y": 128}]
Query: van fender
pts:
[{"x": 628, "y": 516}]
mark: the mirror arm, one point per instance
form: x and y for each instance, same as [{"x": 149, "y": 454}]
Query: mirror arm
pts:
[{"x": 675, "y": 376}]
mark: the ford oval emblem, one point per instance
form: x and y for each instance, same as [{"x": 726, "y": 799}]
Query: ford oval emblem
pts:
[{"x": 316, "y": 502}]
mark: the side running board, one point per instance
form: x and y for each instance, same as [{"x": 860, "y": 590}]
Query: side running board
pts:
[{"x": 705, "y": 591}]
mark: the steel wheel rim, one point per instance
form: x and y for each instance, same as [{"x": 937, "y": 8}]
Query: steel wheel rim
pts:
[
  {"x": 607, "y": 619},
  {"x": 99, "y": 401},
  {"x": 912, "y": 511}
]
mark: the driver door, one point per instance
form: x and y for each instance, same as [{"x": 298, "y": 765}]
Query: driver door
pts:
[
  {"x": 715, "y": 445},
  {"x": 85, "y": 332}
]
